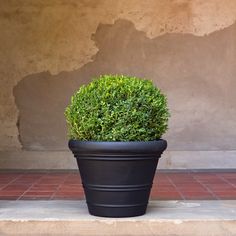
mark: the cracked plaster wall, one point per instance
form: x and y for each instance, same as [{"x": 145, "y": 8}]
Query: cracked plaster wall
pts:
[
  {"x": 197, "y": 73},
  {"x": 56, "y": 35}
]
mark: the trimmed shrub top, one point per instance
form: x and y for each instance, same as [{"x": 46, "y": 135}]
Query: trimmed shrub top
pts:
[{"x": 117, "y": 108}]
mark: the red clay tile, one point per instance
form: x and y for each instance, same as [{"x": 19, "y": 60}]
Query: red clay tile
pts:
[
  {"x": 16, "y": 187},
  {"x": 23, "y": 180},
  {"x": 69, "y": 194},
  {"x": 165, "y": 193},
  {"x": 170, "y": 189},
  {"x": 226, "y": 195},
  {"x": 221, "y": 188},
  {"x": 225, "y": 191},
  {"x": 167, "y": 185},
  {"x": 70, "y": 187},
  {"x": 11, "y": 193},
  {"x": 35, "y": 197},
  {"x": 200, "y": 197},
  {"x": 51, "y": 180},
  {"x": 198, "y": 189},
  {"x": 2, "y": 186},
  {"x": 36, "y": 193},
  {"x": 202, "y": 193},
  {"x": 44, "y": 187},
  {"x": 80, "y": 197},
  {"x": 227, "y": 175},
  {"x": 73, "y": 180},
  {"x": 9, "y": 197},
  {"x": 166, "y": 196},
  {"x": 6, "y": 180}
]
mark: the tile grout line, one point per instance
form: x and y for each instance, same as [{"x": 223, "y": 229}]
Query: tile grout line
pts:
[
  {"x": 58, "y": 187},
  {"x": 157, "y": 196},
  {"x": 31, "y": 186},
  {"x": 208, "y": 189},
  {"x": 176, "y": 188},
  {"x": 11, "y": 181},
  {"x": 203, "y": 185},
  {"x": 225, "y": 180}
]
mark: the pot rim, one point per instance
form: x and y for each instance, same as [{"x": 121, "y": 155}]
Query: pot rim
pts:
[{"x": 117, "y": 146}]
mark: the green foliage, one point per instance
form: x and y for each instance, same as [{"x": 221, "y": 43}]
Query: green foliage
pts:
[{"x": 117, "y": 108}]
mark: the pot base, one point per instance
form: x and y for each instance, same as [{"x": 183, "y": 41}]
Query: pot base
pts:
[{"x": 117, "y": 211}]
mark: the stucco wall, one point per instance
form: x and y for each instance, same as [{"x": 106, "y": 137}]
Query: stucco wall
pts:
[{"x": 49, "y": 48}]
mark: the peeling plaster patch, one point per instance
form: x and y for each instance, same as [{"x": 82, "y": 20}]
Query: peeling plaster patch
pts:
[
  {"x": 212, "y": 15},
  {"x": 197, "y": 73},
  {"x": 174, "y": 17},
  {"x": 197, "y": 17}
]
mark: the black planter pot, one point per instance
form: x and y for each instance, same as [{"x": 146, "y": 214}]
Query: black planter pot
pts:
[{"x": 117, "y": 176}]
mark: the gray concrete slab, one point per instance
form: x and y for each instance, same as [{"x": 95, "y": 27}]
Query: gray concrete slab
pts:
[
  {"x": 162, "y": 218},
  {"x": 158, "y": 210}
]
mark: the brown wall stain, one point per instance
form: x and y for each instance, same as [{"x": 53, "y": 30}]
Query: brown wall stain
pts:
[{"x": 197, "y": 73}]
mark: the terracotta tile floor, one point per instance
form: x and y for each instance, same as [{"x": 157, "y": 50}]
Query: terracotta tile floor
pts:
[{"x": 194, "y": 185}]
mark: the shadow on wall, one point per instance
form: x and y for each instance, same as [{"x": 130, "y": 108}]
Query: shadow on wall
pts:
[{"x": 197, "y": 73}]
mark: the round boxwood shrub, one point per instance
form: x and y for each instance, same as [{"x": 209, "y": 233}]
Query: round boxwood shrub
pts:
[{"x": 117, "y": 108}]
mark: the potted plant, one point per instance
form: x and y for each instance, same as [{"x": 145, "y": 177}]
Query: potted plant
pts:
[{"x": 115, "y": 126}]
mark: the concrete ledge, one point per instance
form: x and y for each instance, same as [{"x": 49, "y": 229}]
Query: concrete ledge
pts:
[
  {"x": 162, "y": 218},
  {"x": 170, "y": 160}
]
